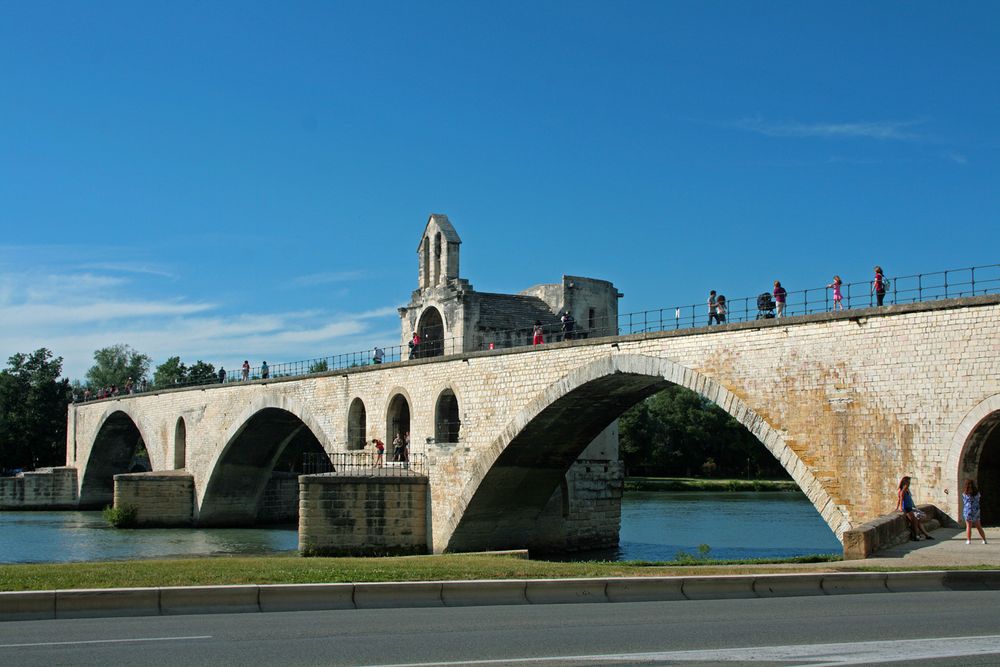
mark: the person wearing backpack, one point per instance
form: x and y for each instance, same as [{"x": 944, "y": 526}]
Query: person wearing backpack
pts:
[{"x": 880, "y": 285}]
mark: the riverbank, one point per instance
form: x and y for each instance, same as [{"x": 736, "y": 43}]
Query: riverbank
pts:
[
  {"x": 296, "y": 570},
  {"x": 707, "y": 484}
]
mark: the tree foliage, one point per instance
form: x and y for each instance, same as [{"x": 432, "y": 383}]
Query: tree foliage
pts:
[
  {"x": 678, "y": 433},
  {"x": 33, "y": 411},
  {"x": 115, "y": 364},
  {"x": 201, "y": 373},
  {"x": 171, "y": 372}
]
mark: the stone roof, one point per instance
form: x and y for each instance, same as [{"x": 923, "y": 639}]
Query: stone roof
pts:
[
  {"x": 442, "y": 222},
  {"x": 513, "y": 311}
]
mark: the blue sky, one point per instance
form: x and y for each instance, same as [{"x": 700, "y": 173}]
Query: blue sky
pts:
[{"x": 236, "y": 180}]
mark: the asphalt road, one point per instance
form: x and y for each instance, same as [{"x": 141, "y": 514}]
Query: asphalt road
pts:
[{"x": 919, "y": 628}]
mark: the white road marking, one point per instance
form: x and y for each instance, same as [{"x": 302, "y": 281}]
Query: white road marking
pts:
[
  {"x": 831, "y": 655},
  {"x": 107, "y": 641}
]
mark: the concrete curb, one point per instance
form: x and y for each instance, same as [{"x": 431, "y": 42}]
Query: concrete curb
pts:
[{"x": 35, "y": 605}]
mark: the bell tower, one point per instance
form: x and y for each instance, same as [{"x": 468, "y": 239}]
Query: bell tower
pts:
[{"x": 438, "y": 253}]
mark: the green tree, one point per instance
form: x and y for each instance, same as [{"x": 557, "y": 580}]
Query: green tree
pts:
[
  {"x": 33, "y": 411},
  {"x": 171, "y": 372},
  {"x": 319, "y": 366},
  {"x": 115, "y": 364},
  {"x": 201, "y": 373},
  {"x": 675, "y": 432}
]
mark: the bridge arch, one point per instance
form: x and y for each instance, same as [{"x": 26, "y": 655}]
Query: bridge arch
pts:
[
  {"x": 252, "y": 447},
  {"x": 111, "y": 454},
  {"x": 975, "y": 454},
  {"x": 510, "y": 484}
]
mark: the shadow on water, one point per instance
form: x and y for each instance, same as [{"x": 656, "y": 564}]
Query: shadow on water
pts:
[
  {"x": 657, "y": 526},
  {"x": 61, "y": 537}
]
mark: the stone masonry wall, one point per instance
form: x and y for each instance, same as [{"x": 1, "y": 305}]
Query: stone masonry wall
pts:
[
  {"x": 46, "y": 488},
  {"x": 342, "y": 514},
  {"x": 161, "y": 498},
  {"x": 280, "y": 501},
  {"x": 848, "y": 402}
]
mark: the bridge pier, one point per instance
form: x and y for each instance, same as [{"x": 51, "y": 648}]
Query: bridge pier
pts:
[
  {"x": 376, "y": 512},
  {"x": 161, "y": 499}
]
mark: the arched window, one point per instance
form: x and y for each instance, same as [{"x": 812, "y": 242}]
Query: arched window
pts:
[
  {"x": 356, "y": 425},
  {"x": 180, "y": 444},
  {"x": 447, "y": 422},
  {"x": 427, "y": 263},
  {"x": 437, "y": 258}
]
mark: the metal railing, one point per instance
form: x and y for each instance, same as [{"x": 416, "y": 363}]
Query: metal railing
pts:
[
  {"x": 366, "y": 461},
  {"x": 920, "y": 287}
]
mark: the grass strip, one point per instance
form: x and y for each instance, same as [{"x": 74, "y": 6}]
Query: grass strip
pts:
[{"x": 295, "y": 570}]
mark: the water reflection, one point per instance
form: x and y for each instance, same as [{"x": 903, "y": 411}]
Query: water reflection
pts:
[
  {"x": 658, "y": 525},
  {"x": 56, "y": 537},
  {"x": 655, "y": 526}
]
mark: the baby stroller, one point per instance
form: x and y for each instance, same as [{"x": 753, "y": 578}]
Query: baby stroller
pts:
[{"x": 765, "y": 306}]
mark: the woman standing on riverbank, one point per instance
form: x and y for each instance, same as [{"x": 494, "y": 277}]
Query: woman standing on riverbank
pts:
[
  {"x": 970, "y": 511},
  {"x": 904, "y": 504}
]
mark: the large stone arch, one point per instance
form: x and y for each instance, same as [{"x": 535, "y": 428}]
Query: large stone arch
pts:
[
  {"x": 110, "y": 455},
  {"x": 252, "y": 446},
  {"x": 510, "y": 482},
  {"x": 977, "y": 432}
]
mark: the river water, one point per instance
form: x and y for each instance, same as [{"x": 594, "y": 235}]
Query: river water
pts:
[{"x": 655, "y": 526}]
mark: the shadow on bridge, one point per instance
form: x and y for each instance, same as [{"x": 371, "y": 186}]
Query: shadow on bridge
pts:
[{"x": 272, "y": 441}]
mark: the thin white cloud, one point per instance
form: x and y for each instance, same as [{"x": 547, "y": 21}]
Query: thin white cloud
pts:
[
  {"x": 130, "y": 267},
  {"x": 327, "y": 278},
  {"x": 957, "y": 158},
  {"x": 880, "y": 130}
]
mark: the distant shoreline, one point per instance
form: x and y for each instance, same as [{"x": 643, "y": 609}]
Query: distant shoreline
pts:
[{"x": 702, "y": 484}]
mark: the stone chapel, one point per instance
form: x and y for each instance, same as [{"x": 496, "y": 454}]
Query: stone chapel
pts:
[{"x": 452, "y": 317}]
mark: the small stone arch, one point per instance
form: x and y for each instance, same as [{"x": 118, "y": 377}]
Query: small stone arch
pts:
[
  {"x": 180, "y": 444},
  {"x": 357, "y": 424},
  {"x": 617, "y": 381},
  {"x": 426, "y": 262},
  {"x": 447, "y": 418},
  {"x": 975, "y": 454},
  {"x": 398, "y": 417},
  {"x": 430, "y": 326},
  {"x": 437, "y": 259},
  {"x": 112, "y": 453}
]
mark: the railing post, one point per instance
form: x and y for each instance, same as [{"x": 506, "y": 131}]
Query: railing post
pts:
[{"x": 973, "y": 270}]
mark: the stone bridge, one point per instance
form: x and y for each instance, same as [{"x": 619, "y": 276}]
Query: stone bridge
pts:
[{"x": 847, "y": 402}]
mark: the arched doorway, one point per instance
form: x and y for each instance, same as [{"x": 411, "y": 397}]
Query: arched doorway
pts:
[
  {"x": 447, "y": 422},
  {"x": 356, "y": 425},
  {"x": 180, "y": 445},
  {"x": 431, "y": 330},
  {"x": 981, "y": 462},
  {"x": 118, "y": 448},
  {"x": 397, "y": 424}
]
